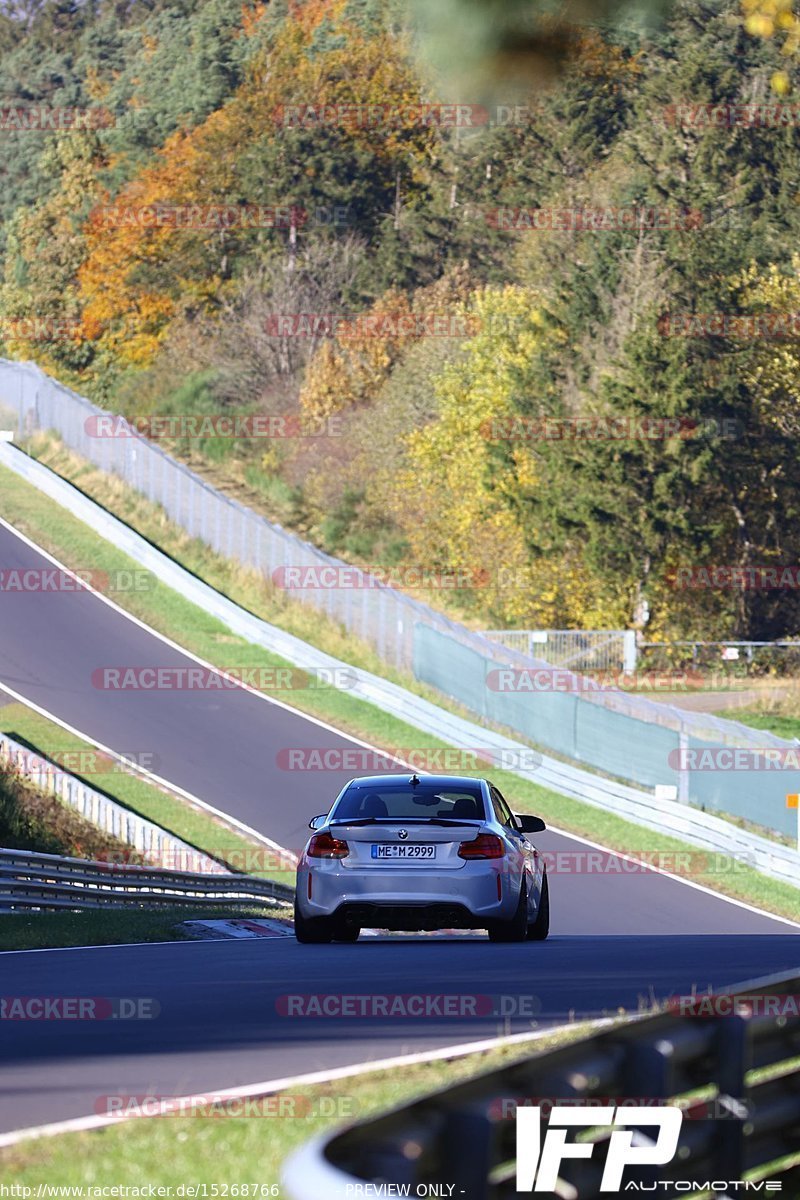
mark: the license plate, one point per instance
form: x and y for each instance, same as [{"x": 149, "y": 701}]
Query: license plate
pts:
[{"x": 394, "y": 850}]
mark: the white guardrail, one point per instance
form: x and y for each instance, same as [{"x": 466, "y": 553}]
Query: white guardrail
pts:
[
  {"x": 50, "y": 881},
  {"x": 153, "y": 843},
  {"x": 668, "y": 817}
]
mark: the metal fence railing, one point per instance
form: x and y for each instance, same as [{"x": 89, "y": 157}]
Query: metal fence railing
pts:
[
  {"x": 734, "y": 1074},
  {"x": 577, "y": 649},
  {"x": 626, "y": 735},
  {"x": 153, "y": 843},
  {"x": 30, "y": 880},
  {"x": 724, "y": 659}
]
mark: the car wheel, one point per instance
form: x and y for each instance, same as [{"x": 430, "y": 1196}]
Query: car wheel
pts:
[
  {"x": 347, "y": 933},
  {"x": 312, "y": 930},
  {"x": 515, "y": 930},
  {"x": 540, "y": 928}
]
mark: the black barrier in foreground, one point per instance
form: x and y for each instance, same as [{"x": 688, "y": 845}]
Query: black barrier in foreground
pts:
[{"x": 726, "y": 1061}]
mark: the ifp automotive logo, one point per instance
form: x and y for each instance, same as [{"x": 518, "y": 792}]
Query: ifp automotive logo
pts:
[{"x": 539, "y": 1161}]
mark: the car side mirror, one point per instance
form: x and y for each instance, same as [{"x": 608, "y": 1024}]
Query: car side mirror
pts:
[
  {"x": 527, "y": 824},
  {"x": 315, "y": 822}
]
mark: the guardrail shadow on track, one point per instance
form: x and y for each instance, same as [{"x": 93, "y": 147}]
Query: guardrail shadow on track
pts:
[{"x": 738, "y": 1117}]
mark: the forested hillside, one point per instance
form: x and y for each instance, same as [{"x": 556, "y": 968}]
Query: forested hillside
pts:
[{"x": 513, "y": 272}]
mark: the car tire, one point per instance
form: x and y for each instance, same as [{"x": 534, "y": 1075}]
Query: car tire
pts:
[
  {"x": 312, "y": 930},
  {"x": 515, "y": 930},
  {"x": 539, "y": 929},
  {"x": 347, "y": 933}
]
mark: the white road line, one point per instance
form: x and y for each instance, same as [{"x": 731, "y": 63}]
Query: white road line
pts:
[
  {"x": 99, "y": 1121},
  {"x": 115, "y": 946},
  {"x": 700, "y": 887},
  {"x": 151, "y": 777},
  {"x": 162, "y": 637}
]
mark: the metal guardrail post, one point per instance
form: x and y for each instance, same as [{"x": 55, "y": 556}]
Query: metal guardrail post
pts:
[
  {"x": 462, "y": 1136},
  {"x": 629, "y": 651},
  {"x": 732, "y": 1057},
  {"x": 47, "y": 881}
]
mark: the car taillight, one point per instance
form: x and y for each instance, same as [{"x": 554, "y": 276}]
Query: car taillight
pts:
[
  {"x": 322, "y": 845},
  {"x": 485, "y": 845}
]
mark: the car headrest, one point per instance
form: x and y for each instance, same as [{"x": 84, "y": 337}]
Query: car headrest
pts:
[
  {"x": 373, "y": 806},
  {"x": 466, "y": 809}
]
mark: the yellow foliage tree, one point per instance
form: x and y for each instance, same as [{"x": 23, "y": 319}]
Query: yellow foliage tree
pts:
[
  {"x": 139, "y": 275},
  {"x": 454, "y": 511},
  {"x": 351, "y": 368},
  {"x": 770, "y": 18},
  {"x": 47, "y": 240},
  {"x": 773, "y": 371}
]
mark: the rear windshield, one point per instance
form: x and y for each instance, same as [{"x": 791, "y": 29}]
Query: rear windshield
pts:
[{"x": 407, "y": 803}]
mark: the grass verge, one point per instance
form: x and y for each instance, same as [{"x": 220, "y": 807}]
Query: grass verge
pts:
[
  {"x": 46, "y": 931},
  {"x": 774, "y": 722},
  {"x": 77, "y": 546},
  {"x": 35, "y": 820},
  {"x": 224, "y": 1152},
  {"x": 777, "y": 711},
  {"x": 200, "y": 829}
]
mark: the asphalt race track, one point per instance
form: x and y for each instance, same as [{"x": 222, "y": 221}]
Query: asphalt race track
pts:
[
  {"x": 618, "y": 940},
  {"x": 221, "y": 1022}
]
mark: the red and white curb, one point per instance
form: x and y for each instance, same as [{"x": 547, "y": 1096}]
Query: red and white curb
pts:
[{"x": 238, "y": 928}]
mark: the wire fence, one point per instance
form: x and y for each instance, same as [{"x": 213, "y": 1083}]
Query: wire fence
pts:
[
  {"x": 153, "y": 843},
  {"x": 734, "y": 659},
  {"x": 576, "y": 649},
  {"x": 625, "y": 734}
]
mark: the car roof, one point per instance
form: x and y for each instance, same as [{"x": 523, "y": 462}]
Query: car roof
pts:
[{"x": 444, "y": 781}]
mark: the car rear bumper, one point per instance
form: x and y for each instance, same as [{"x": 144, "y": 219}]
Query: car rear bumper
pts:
[
  {"x": 410, "y": 917},
  {"x": 387, "y": 899}
]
